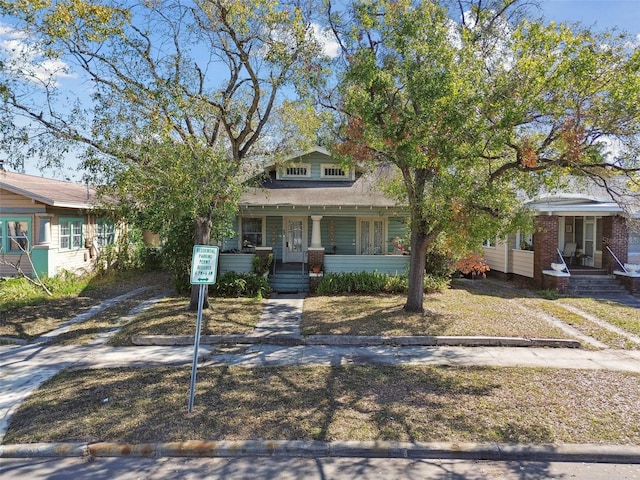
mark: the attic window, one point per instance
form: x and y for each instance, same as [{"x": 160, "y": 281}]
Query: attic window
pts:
[
  {"x": 297, "y": 172},
  {"x": 333, "y": 171}
]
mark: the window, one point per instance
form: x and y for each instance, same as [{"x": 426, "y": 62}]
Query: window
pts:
[
  {"x": 333, "y": 171},
  {"x": 105, "y": 233},
  {"x": 524, "y": 241},
  {"x": 489, "y": 242},
  {"x": 252, "y": 232},
  {"x": 14, "y": 237},
  {"x": 71, "y": 233},
  {"x": 297, "y": 172}
]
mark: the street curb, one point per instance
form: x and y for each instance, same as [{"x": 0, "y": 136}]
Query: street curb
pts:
[
  {"x": 593, "y": 453},
  {"x": 355, "y": 340}
]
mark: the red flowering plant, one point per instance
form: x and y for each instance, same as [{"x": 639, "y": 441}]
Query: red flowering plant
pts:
[
  {"x": 398, "y": 245},
  {"x": 474, "y": 265}
]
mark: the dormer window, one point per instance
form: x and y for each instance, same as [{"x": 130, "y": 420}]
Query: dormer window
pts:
[
  {"x": 334, "y": 172},
  {"x": 300, "y": 172},
  {"x": 331, "y": 170}
]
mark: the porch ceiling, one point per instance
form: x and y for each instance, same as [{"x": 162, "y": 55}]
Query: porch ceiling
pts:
[{"x": 575, "y": 206}]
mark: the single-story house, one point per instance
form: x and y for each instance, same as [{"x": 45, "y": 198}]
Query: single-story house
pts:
[
  {"x": 575, "y": 235},
  {"x": 52, "y": 220},
  {"x": 313, "y": 211}
]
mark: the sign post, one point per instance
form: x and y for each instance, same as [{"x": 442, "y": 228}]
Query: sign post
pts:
[{"x": 204, "y": 266}]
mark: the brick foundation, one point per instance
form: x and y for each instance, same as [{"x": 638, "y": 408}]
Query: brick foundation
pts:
[
  {"x": 316, "y": 257},
  {"x": 632, "y": 284},
  {"x": 559, "y": 284}
]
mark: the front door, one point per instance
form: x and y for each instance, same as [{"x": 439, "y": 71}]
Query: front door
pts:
[{"x": 295, "y": 239}]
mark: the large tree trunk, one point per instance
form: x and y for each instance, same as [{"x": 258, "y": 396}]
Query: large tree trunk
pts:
[
  {"x": 202, "y": 236},
  {"x": 415, "y": 296}
]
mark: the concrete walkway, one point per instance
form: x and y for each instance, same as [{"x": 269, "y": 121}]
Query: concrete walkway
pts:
[{"x": 24, "y": 368}]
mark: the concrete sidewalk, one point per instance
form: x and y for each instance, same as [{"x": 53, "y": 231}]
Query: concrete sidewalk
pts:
[{"x": 24, "y": 368}]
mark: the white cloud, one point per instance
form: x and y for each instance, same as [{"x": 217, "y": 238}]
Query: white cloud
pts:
[
  {"x": 28, "y": 60},
  {"x": 330, "y": 47}
]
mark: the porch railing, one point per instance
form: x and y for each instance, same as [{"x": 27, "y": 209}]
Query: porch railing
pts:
[
  {"x": 616, "y": 259},
  {"x": 566, "y": 267}
]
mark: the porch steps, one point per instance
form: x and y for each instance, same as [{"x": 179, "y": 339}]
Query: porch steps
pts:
[
  {"x": 594, "y": 285},
  {"x": 289, "y": 282}
]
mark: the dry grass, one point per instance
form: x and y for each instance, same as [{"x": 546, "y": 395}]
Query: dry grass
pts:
[
  {"x": 461, "y": 310},
  {"x": 171, "y": 317},
  {"x": 622, "y": 316},
  {"x": 31, "y": 321},
  {"x": 584, "y": 325},
  {"x": 340, "y": 403}
]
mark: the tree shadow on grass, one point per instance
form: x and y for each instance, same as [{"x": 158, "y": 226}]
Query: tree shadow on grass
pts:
[{"x": 412, "y": 404}]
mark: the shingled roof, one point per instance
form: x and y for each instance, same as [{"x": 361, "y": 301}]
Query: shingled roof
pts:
[
  {"x": 365, "y": 191},
  {"x": 55, "y": 193}
]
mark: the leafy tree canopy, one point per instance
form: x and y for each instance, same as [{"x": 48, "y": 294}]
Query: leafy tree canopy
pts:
[
  {"x": 479, "y": 108},
  {"x": 174, "y": 96}
]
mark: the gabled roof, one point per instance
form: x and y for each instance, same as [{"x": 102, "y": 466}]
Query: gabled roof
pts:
[{"x": 55, "y": 193}]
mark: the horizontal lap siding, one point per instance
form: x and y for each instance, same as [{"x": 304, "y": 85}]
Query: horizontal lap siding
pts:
[
  {"x": 494, "y": 257},
  {"x": 523, "y": 263},
  {"x": 344, "y": 233},
  {"x": 12, "y": 203},
  {"x": 8, "y": 271},
  {"x": 75, "y": 261},
  {"x": 389, "y": 264},
  {"x": 234, "y": 262}
]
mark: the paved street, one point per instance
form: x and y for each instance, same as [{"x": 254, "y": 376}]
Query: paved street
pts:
[{"x": 306, "y": 469}]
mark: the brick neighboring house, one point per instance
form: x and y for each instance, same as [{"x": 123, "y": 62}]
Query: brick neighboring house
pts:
[
  {"x": 53, "y": 220},
  {"x": 590, "y": 233}
]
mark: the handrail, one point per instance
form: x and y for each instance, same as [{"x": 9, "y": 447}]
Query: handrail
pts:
[
  {"x": 616, "y": 258},
  {"x": 566, "y": 267}
]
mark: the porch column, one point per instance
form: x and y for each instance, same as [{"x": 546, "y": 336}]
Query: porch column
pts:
[
  {"x": 316, "y": 241},
  {"x": 545, "y": 246}
]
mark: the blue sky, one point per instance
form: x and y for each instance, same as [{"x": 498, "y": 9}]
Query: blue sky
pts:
[
  {"x": 596, "y": 14},
  {"x": 599, "y": 14}
]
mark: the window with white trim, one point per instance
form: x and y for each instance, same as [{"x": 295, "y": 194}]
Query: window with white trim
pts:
[
  {"x": 331, "y": 170},
  {"x": 489, "y": 242},
  {"x": 105, "y": 233},
  {"x": 14, "y": 234},
  {"x": 252, "y": 231},
  {"x": 524, "y": 241},
  {"x": 371, "y": 234},
  {"x": 71, "y": 233},
  {"x": 297, "y": 171}
]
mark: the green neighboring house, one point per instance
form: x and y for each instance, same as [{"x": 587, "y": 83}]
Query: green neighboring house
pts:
[{"x": 51, "y": 219}]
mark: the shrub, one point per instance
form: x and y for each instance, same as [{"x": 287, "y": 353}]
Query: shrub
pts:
[
  {"x": 472, "y": 265},
  {"x": 374, "y": 282},
  {"x": 233, "y": 284},
  {"x": 128, "y": 253}
]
